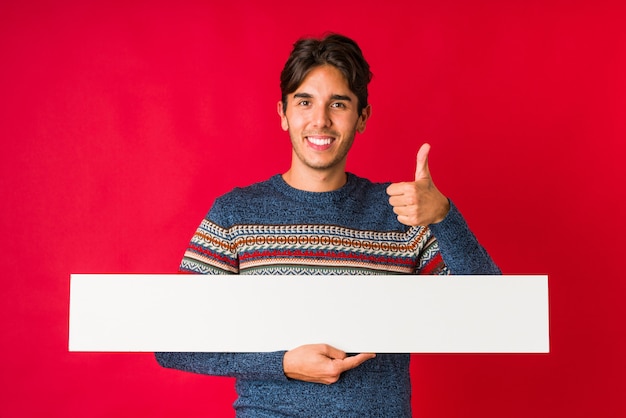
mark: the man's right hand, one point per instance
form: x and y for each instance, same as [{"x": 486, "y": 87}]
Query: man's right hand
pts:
[{"x": 320, "y": 363}]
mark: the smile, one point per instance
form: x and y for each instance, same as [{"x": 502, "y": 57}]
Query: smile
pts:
[{"x": 319, "y": 141}]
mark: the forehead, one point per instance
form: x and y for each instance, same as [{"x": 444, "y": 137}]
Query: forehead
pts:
[{"x": 324, "y": 79}]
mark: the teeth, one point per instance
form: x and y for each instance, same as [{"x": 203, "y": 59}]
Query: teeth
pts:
[{"x": 319, "y": 141}]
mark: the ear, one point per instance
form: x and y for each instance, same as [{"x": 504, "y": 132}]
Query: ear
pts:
[
  {"x": 365, "y": 115},
  {"x": 283, "y": 117}
]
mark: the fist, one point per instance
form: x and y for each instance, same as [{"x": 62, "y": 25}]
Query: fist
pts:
[{"x": 419, "y": 202}]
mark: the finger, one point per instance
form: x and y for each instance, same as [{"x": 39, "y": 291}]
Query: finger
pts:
[
  {"x": 408, "y": 220},
  {"x": 399, "y": 189},
  {"x": 403, "y": 200},
  {"x": 354, "y": 361},
  {"x": 394, "y": 189},
  {"x": 421, "y": 168},
  {"x": 403, "y": 211},
  {"x": 333, "y": 353}
]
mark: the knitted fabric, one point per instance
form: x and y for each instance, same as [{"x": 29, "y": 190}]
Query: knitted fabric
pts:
[{"x": 272, "y": 228}]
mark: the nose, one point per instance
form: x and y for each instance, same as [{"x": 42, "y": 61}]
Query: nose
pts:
[{"x": 321, "y": 117}]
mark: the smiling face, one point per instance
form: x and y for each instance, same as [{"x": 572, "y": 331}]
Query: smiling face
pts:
[{"x": 322, "y": 119}]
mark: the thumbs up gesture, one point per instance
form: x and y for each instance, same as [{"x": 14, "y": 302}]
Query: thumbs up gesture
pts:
[{"x": 419, "y": 202}]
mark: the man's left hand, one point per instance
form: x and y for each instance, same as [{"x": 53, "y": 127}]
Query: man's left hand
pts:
[{"x": 419, "y": 202}]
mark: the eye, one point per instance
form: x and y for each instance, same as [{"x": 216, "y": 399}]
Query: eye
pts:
[
  {"x": 304, "y": 103},
  {"x": 338, "y": 105}
]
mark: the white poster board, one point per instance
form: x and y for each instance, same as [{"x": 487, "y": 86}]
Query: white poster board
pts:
[{"x": 237, "y": 313}]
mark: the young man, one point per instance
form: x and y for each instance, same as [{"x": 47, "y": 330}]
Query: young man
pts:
[{"x": 317, "y": 219}]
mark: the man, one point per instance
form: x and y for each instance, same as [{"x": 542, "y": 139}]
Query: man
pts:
[{"x": 317, "y": 219}]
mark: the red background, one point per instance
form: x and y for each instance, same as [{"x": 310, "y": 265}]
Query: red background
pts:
[{"x": 121, "y": 123}]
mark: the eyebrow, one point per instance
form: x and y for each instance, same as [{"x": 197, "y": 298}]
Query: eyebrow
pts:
[{"x": 333, "y": 97}]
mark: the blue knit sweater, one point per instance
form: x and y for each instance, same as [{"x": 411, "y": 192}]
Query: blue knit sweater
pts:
[{"x": 272, "y": 228}]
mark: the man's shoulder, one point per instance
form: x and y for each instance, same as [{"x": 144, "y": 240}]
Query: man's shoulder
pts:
[
  {"x": 365, "y": 182},
  {"x": 246, "y": 204},
  {"x": 254, "y": 190},
  {"x": 365, "y": 187}
]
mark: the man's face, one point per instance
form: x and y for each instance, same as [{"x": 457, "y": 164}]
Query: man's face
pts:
[{"x": 322, "y": 119}]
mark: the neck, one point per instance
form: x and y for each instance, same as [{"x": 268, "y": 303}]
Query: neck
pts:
[{"x": 313, "y": 180}]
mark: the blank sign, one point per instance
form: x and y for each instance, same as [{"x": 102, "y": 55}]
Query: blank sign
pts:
[{"x": 238, "y": 313}]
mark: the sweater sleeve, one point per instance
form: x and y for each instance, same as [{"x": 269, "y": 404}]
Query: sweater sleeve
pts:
[
  {"x": 259, "y": 366},
  {"x": 459, "y": 248},
  {"x": 211, "y": 252}
]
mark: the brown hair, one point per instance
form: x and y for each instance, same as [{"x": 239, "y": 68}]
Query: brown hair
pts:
[{"x": 336, "y": 50}]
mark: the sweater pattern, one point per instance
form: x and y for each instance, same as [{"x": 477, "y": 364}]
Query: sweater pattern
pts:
[{"x": 310, "y": 250}]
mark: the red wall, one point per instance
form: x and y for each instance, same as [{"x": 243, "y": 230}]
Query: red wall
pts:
[{"x": 120, "y": 124}]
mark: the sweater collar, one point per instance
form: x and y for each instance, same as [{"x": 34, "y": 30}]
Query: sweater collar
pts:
[{"x": 334, "y": 196}]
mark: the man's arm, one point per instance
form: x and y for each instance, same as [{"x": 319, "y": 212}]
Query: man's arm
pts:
[
  {"x": 459, "y": 248},
  {"x": 260, "y": 366},
  {"x": 420, "y": 203},
  {"x": 209, "y": 252}
]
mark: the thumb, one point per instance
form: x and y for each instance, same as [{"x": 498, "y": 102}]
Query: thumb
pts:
[{"x": 421, "y": 170}]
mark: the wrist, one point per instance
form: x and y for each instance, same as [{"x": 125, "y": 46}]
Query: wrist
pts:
[{"x": 444, "y": 210}]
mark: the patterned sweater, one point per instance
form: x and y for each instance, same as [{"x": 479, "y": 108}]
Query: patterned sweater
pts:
[{"x": 272, "y": 228}]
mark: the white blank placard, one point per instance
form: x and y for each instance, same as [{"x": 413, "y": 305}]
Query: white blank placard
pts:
[{"x": 237, "y": 313}]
